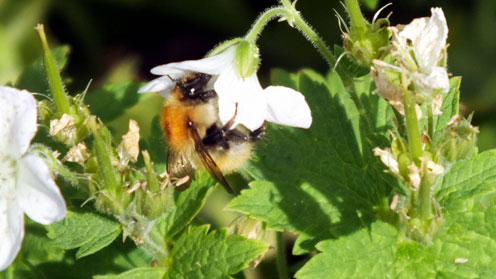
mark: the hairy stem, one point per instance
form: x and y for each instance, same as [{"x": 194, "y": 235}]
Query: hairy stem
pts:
[
  {"x": 54, "y": 79},
  {"x": 262, "y": 20}
]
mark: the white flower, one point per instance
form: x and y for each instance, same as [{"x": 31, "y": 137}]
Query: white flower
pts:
[
  {"x": 420, "y": 46},
  {"x": 277, "y": 104},
  {"x": 25, "y": 182}
]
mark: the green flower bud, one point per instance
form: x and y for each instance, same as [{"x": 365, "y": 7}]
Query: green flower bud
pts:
[
  {"x": 367, "y": 41},
  {"x": 459, "y": 140},
  {"x": 247, "y": 58}
]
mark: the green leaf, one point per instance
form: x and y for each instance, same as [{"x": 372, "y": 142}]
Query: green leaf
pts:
[
  {"x": 87, "y": 231},
  {"x": 34, "y": 77},
  {"x": 111, "y": 100},
  {"x": 468, "y": 183},
  {"x": 463, "y": 249},
  {"x": 187, "y": 205},
  {"x": 199, "y": 254},
  {"x": 449, "y": 108},
  {"x": 137, "y": 273},
  {"x": 325, "y": 181}
]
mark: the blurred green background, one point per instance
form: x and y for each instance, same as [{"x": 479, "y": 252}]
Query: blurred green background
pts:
[{"x": 120, "y": 40}]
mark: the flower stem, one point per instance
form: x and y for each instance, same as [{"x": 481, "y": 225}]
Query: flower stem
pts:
[
  {"x": 262, "y": 20},
  {"x": 430, "y": 125},
  {"x": 54, "y": 79},
  {"x": 282, "y": 265},
  {"x": 357, "y": 21},
  {"x": 102, "y": 152},
  {"x": 412, "y": 127},
  {"x": 424, "y": 201}
]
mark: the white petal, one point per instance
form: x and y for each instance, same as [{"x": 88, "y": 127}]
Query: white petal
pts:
[
  {"x": 18, "y": 117},
  {"x": 428, "y": 35},
  {"x": 11, "y": 228},
  {"x": 225, "y": 86},
  {"x": 213, "y": 65},
  {"x": 247, "y": 94},
  {"x": 287, "y": 106},
  {"x": 252, "y": 104},
  {"x": 39, "y": 196},
  {"x": 437, "y": 80},
  {"x": 163, "y": 85}
]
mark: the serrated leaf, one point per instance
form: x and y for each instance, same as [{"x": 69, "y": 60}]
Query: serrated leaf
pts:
[
  {"x": 325, "y": 181},
  {"x": 200, "y": 254},
  {"x": 111, "y": 100},
  {"x": 87, "y": 231},
  {"x": 449, "y": 107},
  {"x": 465, "y": 247},
  {"x": 34, "y": 77},
  {"x": 187, "y": 205},
  {"x": 137, "y": 273},
  {"x": 468, "y": 183}
]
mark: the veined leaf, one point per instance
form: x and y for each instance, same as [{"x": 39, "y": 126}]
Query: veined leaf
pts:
[
  {"x": 463, "y": 249},
  {"x": 202, "y": 254},
  {"x": 87, "y": 231}
]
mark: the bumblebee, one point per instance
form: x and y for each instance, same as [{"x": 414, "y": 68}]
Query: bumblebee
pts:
[{"x": 196, "y": 136}]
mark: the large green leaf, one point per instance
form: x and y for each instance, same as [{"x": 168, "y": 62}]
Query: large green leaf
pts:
[
  {"x": 200, "y": 254},
  {"x": 325, "y": 181},
  {"x": 87, "y": 231},
  {"x": 465, "y": 248}
]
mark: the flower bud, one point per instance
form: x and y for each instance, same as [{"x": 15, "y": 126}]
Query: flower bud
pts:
[
  {"x": 247, "y": 58},
  {"x": 459, "y": 140},
  {"x": 368, "y": 41}
]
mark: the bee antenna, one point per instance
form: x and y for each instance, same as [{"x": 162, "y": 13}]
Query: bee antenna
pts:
[{"x": 171, "y": 78}]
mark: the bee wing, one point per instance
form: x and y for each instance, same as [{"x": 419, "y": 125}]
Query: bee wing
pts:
[
  {"x": 208, "y": 162},
  {"x": 179, "y": 167}
]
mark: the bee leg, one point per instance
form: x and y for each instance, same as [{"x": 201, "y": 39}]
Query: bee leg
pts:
[
  {"x": 206, "y": 95},
  {"x": 258, "y": 133}
]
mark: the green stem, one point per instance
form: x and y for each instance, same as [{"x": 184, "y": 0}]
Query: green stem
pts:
[
  {"x": 424, "y": 202},
  {"x": 430, "y": 125},
  {"x": 357, "y": 21},
  {"x": 412, "y": 126},
  {"x": 102, "y": 152},
  {"x": 282, "y": 265},
  {"x": 54, "y": 79},
  {"x": 262, "y": 20},
  {"x": 151, "y": 179}
]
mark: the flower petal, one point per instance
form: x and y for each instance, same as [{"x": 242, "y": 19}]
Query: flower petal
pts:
[
  {"x": 247, "y": 94},
  {"x": 287, "y": 106},
  {"x": 11, "y": 228},
  {"x": 163, "y": 85},
  {"x": 213, "y": 65},
  {"x": 428, "y": 35},
  {"x": 18, "y": 117},
  {"x": 39, "y": 196},
  {"x": 437, "y": 80}
]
